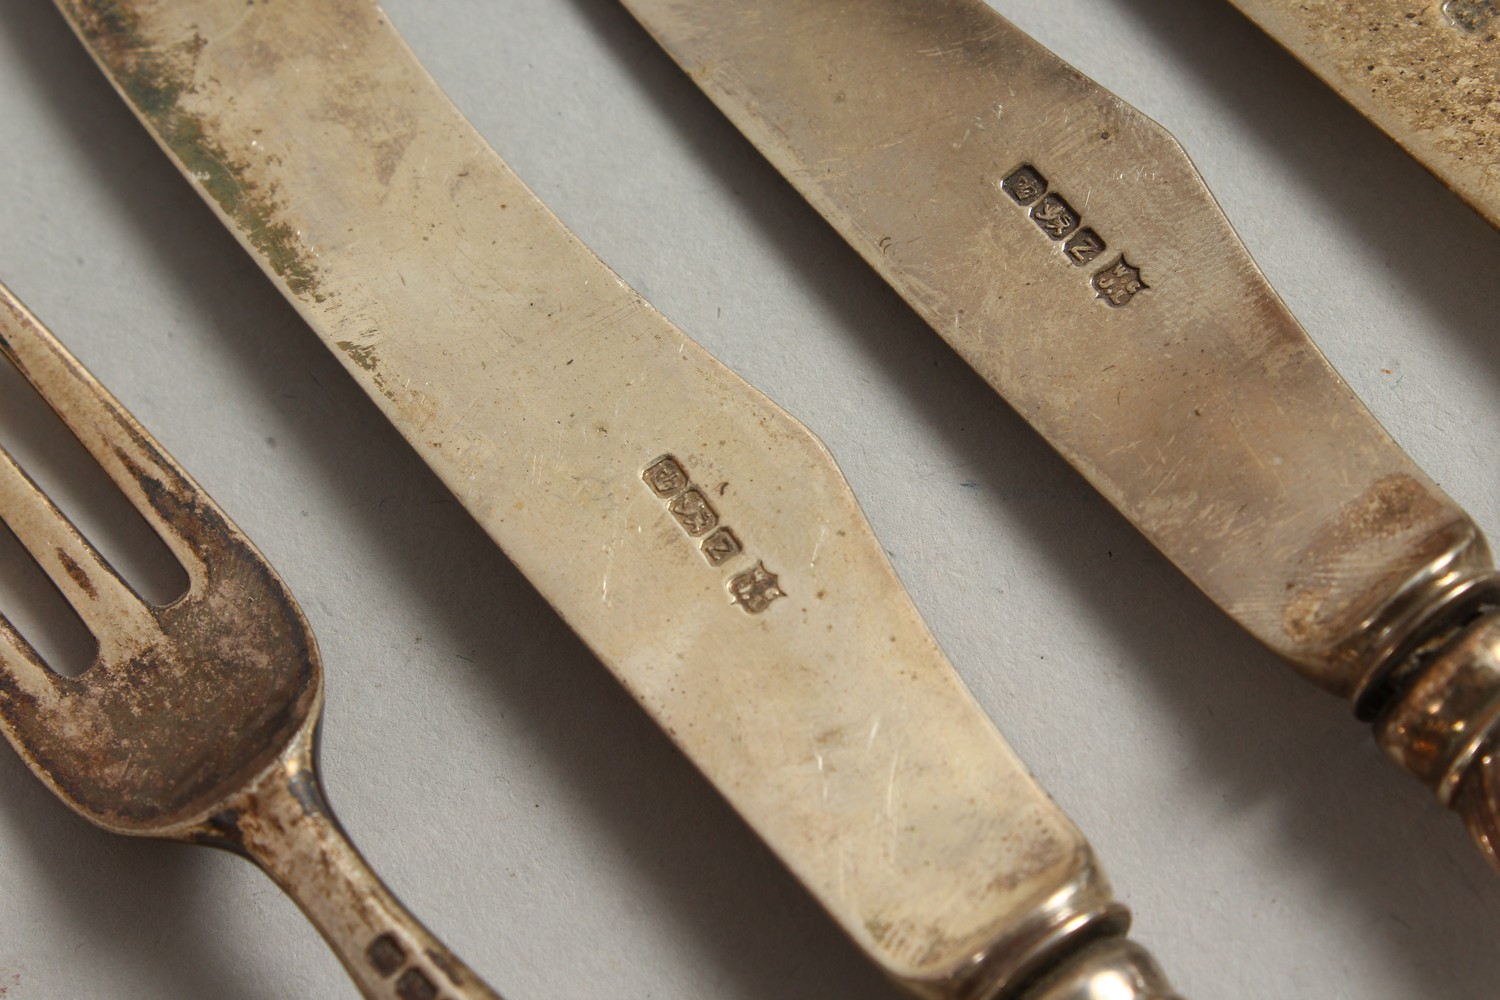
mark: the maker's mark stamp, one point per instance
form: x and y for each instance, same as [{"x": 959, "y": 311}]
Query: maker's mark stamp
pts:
[
  {"x": 1119, "y": 283},
  {"x": 753, "y": 589},
  {"x": 1116, "y": 284}
]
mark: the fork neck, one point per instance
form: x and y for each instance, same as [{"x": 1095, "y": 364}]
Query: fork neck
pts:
[{"x": 284, "y": 824}]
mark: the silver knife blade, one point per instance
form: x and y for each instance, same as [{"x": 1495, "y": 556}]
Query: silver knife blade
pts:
[
  {"x": 1428, "y": 74},
  {"x": 1064, "y": 245},
  {"x": 1166, "y": 735},
  {"x": 699, "y": 539}
]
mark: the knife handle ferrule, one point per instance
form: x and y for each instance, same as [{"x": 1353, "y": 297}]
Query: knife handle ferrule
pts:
[
  {"x": 1112, "y": 969},
  {"x": 1065, "y": 955},
  {"x": 1445, "y": 726}
]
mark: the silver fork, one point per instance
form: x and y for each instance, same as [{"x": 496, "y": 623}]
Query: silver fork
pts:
[{"x": 196, "y": 720}]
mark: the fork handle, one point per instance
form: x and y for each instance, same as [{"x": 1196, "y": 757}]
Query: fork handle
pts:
[{"x": 283, "y": 824}]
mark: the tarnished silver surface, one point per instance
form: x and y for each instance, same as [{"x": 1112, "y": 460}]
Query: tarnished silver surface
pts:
[
  {"x": 1066, "y": 247},
  {"x": 1426, "y": 72},
  {"x": 699, "y": 539},
  {"x": 1230, "y": 801},
  {"x": 196, "y": 720}
]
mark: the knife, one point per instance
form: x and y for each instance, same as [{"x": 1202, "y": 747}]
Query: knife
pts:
[
  {"x": 1063, "y": 244},
  {"x": 699, "y": 539},
  {"x": 1427, "y": 73}
]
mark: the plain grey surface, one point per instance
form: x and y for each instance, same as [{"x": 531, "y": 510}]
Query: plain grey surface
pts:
[{"x": 490, "y": 767}]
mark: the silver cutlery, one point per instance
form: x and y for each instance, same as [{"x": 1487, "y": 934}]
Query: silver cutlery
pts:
[
  {"x": 1064, "y": 245},
  {"x": 196, "y": 721},
  {"x": 1428, "y": 74},
  {"x": 700, "y": 540}
]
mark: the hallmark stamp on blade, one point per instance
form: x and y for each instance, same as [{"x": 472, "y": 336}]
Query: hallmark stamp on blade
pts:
[
  {"x": 693, "y": 511},
  {"x": 754, "y": 589},
  {"x": 1118, "y": 283}
]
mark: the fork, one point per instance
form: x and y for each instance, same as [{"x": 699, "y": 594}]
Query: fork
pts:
[{"x": 196, "y": 720}]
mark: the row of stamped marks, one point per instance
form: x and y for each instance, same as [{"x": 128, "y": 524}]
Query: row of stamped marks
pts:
[
  {"x": 388, "y": 958},
  {"x": 1118, "y": 283},
  {"x": 755, "y": 588}
]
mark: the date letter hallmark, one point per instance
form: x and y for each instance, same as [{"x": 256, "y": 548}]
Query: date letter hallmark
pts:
[
  {"x": 1472, "y": 16},
  {"x": 1117, "y": 284},
  {"x": 754, "y": 589},
  {"x": 721, "y": 546}
]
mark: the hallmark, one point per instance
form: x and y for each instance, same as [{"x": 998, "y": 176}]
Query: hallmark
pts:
[
  {"x": 754, "y": 589},
  {"x": 387, "y": 957},
  {"x": 1119, "y": 283},
  {"x": 720, "y": 547},
  {"x": 1084, "y": 247},
  {"x": 1056, "y": 217},
  {"x": 1081, "y": 245},
  {"x": 1472, "y": 16},
  {"x": 666, "y": 477},
  {"x": 1025, "y": 185},
  {"x": 693, "y": 511}
]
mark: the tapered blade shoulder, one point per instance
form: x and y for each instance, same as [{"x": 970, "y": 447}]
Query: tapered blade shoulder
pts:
[
  {"x": 1067, "y": 248},
  {"x": 1426, "y": 73},
  {"x": 697, "y": 537}
]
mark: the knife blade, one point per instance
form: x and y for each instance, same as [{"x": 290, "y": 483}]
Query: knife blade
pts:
[
  {"x": 1428, "y": 74},
  {"x": 1064, "y": 245},
  {"x": 700, "y": 540}
]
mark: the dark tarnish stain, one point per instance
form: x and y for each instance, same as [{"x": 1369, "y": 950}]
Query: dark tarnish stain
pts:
[
  {"x": 1318, "y": 610},
  {"x": 76, "y": 574},
  {"x": 366, "y": 357},
  {"x": 155, "y": 78},
  {"x": 200, "y": 723},
  {"x": 228, "y": 683}
]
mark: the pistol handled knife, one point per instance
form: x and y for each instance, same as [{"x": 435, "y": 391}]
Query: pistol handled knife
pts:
[
  {"x": 1064, "y": 245},
  {"x": 701, "y": 541},
  {"x": 1427, "y": 73}
]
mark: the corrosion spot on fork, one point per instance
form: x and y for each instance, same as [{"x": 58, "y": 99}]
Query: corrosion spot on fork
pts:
[{"x": 76, "y": 574}]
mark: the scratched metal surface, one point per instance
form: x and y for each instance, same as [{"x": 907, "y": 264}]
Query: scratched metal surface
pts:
[
  {"x": 1150, "y": 352},
  {"x": 492, "y": 769}
]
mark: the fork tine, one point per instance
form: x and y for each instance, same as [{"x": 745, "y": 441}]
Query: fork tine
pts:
[
  {"x": 20, "y": 665},
  {"x": 153, "y": 483},
  {"x": 105, "y": 602}
]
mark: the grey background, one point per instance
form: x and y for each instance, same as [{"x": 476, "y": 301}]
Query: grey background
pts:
[{"x": 490, "y": 767}]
